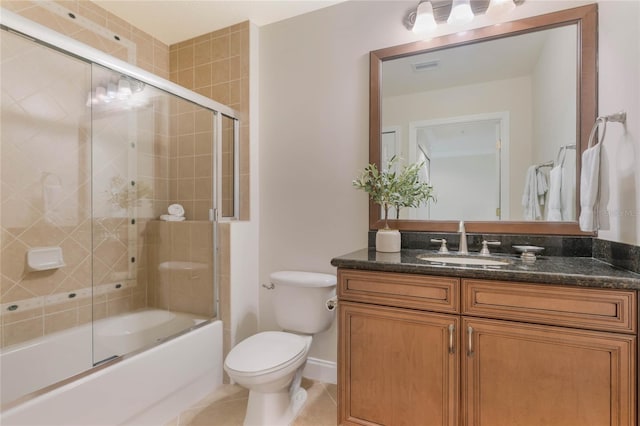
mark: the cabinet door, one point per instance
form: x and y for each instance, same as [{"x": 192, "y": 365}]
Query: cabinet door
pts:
[
  {"x": 516, "y": 374},
  {"x": 397, "y": 366}
]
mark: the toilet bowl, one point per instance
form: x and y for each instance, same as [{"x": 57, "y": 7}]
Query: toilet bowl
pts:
[
  {"x": 270, "y": 363},
  {"x": 267, "y": 364}
]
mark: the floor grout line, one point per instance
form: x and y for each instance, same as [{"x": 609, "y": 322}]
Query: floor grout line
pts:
[{"x": 227, "y": 395}]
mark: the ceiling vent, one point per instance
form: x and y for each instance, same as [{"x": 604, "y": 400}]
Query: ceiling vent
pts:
[{"x": 426, "y": 66}]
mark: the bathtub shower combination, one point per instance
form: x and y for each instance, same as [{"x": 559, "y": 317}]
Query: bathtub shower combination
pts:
[{"x": 108, "y": 314}]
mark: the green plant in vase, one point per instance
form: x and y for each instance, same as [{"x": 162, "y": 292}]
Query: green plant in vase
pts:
[{"x": 390, "y": 188}]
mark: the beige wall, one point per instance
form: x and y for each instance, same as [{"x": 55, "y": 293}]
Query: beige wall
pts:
[
  {"x": 619, "y": 90},
  {"x": 314, "y": 80}
]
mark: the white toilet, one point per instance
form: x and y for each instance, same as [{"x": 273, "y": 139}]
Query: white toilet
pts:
[{"x": 270, "y": 363}]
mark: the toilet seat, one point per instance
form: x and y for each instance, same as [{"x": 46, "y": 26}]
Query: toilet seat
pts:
[{"x": 266, "y": 352}]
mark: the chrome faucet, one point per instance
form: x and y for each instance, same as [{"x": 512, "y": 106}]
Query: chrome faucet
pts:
[{"x": 463, "y": 239}]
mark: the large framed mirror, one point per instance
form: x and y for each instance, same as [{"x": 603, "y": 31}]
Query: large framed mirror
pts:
[{"x": 488, "y": 111}]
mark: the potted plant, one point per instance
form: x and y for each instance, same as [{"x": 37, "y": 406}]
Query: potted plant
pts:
[{"x": 390, "y": 188}]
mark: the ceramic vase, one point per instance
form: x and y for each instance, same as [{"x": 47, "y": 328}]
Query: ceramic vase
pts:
[{"x": 388, "y": 240}]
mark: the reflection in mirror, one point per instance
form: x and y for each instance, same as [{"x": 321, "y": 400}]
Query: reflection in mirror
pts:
[
  {"x": 481, "y": 115},
  {"x": 498, "y": 115}
]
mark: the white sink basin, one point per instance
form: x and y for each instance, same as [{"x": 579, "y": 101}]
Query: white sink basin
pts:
[{"x": 461, "y": 260}]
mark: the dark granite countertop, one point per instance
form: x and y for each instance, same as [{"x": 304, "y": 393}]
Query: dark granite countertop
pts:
[{"x": 575, "y": 271}]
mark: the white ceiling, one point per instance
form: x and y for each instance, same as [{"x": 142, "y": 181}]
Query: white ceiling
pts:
[
  {"x": 172, "y": 21},
  {"x": 499, "y": 59}
]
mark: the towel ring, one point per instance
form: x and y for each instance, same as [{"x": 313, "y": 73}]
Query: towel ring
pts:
[
  {"x": 599, "y": 120},
  {"x": 562, "y": 154},
  {"x": 619, "y": 117}
]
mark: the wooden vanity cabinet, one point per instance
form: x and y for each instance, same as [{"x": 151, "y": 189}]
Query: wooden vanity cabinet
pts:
[
  {"x": 522, "y": 374},
  {"x": 398, "y": 366},
  {"x": 501, "y": 354}
]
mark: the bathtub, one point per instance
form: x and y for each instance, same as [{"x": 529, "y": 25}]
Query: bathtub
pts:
[{"x": 149, "y": 387}]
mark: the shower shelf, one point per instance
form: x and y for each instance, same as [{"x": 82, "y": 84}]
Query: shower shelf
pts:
[{"x": 45, "y": 258}]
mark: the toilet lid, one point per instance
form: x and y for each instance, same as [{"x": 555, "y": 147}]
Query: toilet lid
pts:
[{"x": 264, "y": 351}]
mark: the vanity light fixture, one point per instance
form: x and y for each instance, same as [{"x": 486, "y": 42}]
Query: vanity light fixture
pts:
[
  {"x": 429, "y": 13},
  {"x": 424, "y": 20}
]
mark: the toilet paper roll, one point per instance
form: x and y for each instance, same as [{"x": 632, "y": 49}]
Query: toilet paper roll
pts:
[{"x": 176, "y": 210}]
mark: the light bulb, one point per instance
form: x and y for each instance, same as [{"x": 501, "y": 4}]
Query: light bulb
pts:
[
  {"x": 425, "y": 22},
  {"x": 461, "y": 12},
  {"x": 112, "y": 91},
  {"x": 498, "y": 8},
  {"x": 124, "y": 89}
]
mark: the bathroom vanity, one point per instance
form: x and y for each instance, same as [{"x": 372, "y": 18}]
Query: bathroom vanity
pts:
[{"x": 554, "y": 342}]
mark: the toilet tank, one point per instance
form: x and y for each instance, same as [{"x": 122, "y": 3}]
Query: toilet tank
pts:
[{"x": 300, "y": 300}]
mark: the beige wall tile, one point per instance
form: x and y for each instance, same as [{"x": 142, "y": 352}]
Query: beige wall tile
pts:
[
  {"x": 19, "y": 315},
  {"x": 220, "y": 72},
  {"x": 60, "y": 321},
  {"x": 202, "y": 77},
  {"x": 203, "y": 143},
  {"x": 186, "y": 77},
  {"x": 186, "y": 168},
  {"x": 220, "y": 47},
  {"x": 203, "y": 166},
  {"x": 202, "y": 52},
  {"x": 186, "y": 189},
  {"x": 186, "y": 57}
]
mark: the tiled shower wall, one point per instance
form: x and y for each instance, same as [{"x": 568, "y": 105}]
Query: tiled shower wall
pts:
[
  {"x": 66, "y": 155},
  {"x": 227, "y": 83},
  {"x": 216, "y": 65},
  {"x": 135, "y": 46}
]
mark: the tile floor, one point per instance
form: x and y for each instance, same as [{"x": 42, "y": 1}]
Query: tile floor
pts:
[{"x": 226, "y": 407}]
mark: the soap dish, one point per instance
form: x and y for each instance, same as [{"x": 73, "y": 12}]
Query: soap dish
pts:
[
  {"x": 45, "y": 258},
  {"x": 528, "y": 249},
  {"x": 528, "y": 253}
]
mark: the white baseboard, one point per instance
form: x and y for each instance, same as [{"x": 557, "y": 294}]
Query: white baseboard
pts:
[{"x": 321, "y": 370}]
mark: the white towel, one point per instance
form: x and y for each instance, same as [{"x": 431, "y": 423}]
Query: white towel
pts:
[
  {"x": 171, "y": 218},
  {"x": 541, "y": 181},
  {"x": 530, "y": 199},
  {"x": 554, "y": 207},
  {"x": 589, "y": 185},
  {"x": 176, "y": 210},
  {"x": 568, "y": 189}
]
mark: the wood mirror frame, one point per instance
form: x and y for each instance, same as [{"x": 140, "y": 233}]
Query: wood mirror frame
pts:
[{"x": 586, "y": 19}]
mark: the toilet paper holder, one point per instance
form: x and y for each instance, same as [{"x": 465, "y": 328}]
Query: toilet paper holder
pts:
[{"x": 332, "y": 303}]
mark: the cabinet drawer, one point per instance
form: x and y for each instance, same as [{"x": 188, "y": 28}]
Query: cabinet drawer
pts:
[
  {"x": 424, "y": 292},
  {"x": 597, "y": 309}
]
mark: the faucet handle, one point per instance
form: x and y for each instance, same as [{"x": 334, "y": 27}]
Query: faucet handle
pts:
[
  {"x": 443, "y": 246},
  {"x": 485, "y": 249}
]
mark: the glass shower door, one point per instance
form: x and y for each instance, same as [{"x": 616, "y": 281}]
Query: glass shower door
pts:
[
  {"x": 152, "y": 265},
  {"x": 45, "y": 208}
]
